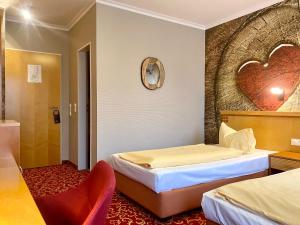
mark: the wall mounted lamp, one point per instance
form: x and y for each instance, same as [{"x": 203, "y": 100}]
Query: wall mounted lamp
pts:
[{"x": 279, "y": 92}]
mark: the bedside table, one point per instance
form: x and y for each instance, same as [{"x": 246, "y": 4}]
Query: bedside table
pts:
[{"x": 284, "y": 161}]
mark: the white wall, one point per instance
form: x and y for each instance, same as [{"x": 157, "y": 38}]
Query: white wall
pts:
[
  {"x": 130, "y": 117},
  {"x": 82, "y": 113},
  {"x": 83, "y": 33}
]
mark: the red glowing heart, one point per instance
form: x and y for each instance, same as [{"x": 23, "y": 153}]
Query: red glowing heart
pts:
[{"x": 282, "y": 71}]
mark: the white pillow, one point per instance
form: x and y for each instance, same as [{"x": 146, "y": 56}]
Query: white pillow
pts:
[
  {"x": 242, "y": 139},
  {"x": 224, "y": 131}
]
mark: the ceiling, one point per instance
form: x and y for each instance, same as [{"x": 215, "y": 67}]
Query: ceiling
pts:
[
  {"x": 202, "y": 14},
  {"x": 198, "y": 13},
  {"x": 61, "y": 14}
]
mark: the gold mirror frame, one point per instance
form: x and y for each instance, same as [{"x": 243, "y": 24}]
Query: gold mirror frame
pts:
[{"x": 150, "y": 61}]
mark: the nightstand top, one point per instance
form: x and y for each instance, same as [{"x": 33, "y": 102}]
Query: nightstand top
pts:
[{"x": 287, "y": 155}]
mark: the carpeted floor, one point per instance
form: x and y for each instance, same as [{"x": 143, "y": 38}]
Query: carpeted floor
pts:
[{"x": 54, "y": 179}]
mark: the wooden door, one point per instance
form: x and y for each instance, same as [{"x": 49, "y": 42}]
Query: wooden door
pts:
[{"x": 32, "y": 104}]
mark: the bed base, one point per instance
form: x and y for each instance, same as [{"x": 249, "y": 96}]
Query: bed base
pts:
[{"x": 169, "y": 203}]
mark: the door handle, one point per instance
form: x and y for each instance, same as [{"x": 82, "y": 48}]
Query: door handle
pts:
[{"x": 75, "y": 107}]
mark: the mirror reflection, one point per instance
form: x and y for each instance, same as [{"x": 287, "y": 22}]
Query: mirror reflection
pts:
[{"x": 152, "y": 74}]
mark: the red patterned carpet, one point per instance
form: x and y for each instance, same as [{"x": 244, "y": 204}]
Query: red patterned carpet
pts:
[{"x": 54, "y": 179}]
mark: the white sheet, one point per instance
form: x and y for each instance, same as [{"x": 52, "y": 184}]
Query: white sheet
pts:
[
  {"x": 225, "y": 213},
  {"x": 166, "y": 179}
]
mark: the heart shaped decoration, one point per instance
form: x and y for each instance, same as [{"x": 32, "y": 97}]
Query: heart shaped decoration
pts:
[{"x": 269, "y": 85}]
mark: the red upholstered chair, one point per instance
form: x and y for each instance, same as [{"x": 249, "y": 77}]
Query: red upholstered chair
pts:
[{"x": 87, "y": 204}]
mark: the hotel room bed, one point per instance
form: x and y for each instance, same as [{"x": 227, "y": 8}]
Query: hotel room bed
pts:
[
  {"x": 219, "y": 211},
  {"x": 172, "y": 190},
  {"x": 270, "y": 200},
  {"x": 170, "y": 178},
  {"x": 184, "y": 190}
]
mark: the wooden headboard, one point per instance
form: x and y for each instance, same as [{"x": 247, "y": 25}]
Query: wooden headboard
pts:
[{"x": 272, "y": 130}]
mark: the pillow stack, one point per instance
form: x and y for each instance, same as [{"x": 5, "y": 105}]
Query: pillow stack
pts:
[{"x": 242, "y": 139}]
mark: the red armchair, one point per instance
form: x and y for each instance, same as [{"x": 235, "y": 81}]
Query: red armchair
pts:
[{"x": 87, "y": 204}]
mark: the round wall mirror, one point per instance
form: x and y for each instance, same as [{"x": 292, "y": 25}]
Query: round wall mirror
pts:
[{"x": 153, "y": 73}]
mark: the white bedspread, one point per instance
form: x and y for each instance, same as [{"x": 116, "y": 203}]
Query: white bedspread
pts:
[
  {"x": 225, "y": 213},
  {"x": 165, "y": 179}
]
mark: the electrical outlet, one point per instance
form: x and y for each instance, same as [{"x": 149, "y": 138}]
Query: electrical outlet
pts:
[{"x": 295, "y": 142}]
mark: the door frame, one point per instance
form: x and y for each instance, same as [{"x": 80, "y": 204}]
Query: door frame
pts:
[{"x": 87, "y": 46}]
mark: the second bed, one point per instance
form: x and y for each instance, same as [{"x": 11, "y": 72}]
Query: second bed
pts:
[{"x": 172, "y": 190}]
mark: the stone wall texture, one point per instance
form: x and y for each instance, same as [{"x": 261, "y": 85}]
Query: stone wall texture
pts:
[{"x": 230, "y": 45}]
